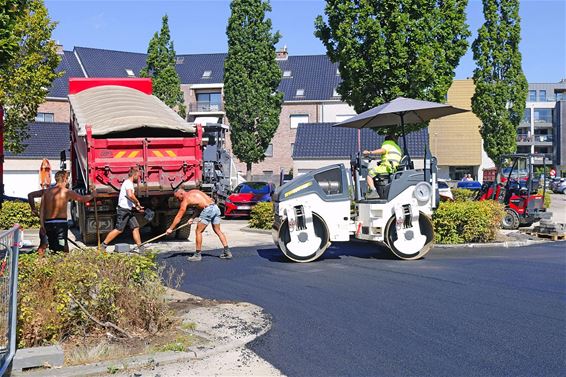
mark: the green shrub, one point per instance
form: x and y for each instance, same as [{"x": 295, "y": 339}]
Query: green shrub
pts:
[
  {"x": 262, "y": 216},
  {"x": 463, "y": 195},
  {"x": 467, "y": 222},
  {"x": 17, "y": 213},
  {"x": 122, "y": 289}
]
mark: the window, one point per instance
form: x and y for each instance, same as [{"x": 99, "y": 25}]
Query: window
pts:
[
  {"x": 45, "y": 117},
  {"x": 298, "y": 118},
  {"x": 330, "y": 181},
  {"x": 341, "y": 118},
  {"x": 209, "y": 101},
  {"x": 300, "y": 92},
  {"x": 532, "y": 95},
  {"x": 269, "y": 151},
  {"x": 179, "y": 60},
  {"x": 335, "y": 93},
  {"x": 542, "y": 95},
  {"x": 206, "y": 74},
  {"x": 527, "y": 116},
  {"x": 130, "y": 73},
  {"x": 560, "y": 96},
  {"x": 286, "y": 73},
  {"x": 458, "y": 172},
  {"x": 543, "y": 115}
]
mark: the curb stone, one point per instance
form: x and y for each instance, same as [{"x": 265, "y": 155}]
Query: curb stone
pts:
[
  {"x": 254, "y": 230},
  {"x": 508, "y": 244},
  {"x": 153, "y": 359}
]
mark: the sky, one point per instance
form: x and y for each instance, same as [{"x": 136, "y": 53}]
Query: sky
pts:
[{"x": 198, "y": 26}]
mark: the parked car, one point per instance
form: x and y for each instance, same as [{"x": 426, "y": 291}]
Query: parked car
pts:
[
  {"x": 240, "y": 201},
  {"x": 558, "y": 186},
  {"x": 444, "y": 191}
]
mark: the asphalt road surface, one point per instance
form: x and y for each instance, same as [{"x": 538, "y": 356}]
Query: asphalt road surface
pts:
[{"x": 358, "y": 312}]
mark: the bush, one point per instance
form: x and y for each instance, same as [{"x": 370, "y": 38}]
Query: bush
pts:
[
  {"x": 122, "y": 289},
  {"x": 466, "y": 222},
  {"x": 262, "y": 216},
  {"x": 463, "y": 195},
  {"x": 17, "y": 213}
]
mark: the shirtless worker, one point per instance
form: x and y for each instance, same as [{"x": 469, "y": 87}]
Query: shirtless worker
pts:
[
  {"x": 54, "y": 211},
  {"x": 208, "y": 213}
]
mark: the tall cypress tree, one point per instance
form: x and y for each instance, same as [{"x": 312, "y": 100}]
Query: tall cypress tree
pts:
[
  {"x": 251, "y": 78},
  {"x": 161, "y": 68},
  {"x": 501, "y": 86},
  {"x": 391, "y": 48}
]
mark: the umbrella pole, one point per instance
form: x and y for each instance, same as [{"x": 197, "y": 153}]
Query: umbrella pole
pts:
[{"x": 406, "y": 150}]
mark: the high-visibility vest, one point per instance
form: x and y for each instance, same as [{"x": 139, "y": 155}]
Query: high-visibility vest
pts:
[{"x": 392, "y": 157}]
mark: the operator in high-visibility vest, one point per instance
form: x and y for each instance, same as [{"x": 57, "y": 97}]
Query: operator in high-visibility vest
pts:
[{"x": 390, "y": 158}]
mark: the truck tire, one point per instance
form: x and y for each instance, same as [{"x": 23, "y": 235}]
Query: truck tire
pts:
[
  {"x": 184, "y": 232},
  {"x": 510, "y": 220}
]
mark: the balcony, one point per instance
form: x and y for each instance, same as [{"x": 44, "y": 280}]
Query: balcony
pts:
[
  {"x": 206, "y": 107},
  {"x": 524, "y": 140},
  {"x": 543, "y": 139}
]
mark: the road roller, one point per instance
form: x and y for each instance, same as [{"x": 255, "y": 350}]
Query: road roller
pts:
[{"x": 327, "y": 205}]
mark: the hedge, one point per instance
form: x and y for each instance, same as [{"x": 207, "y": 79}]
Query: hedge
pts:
[
  {"x": 17, "y": 213},
  {"x": 467, "y": 222},
  {"x": 463, "y": 195},
  {"x": 122, "y": 289},
  {"x": 262, "y": 216}
]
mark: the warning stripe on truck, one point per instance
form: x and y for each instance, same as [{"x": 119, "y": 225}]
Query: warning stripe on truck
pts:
[{"x": 133, "y": 154}]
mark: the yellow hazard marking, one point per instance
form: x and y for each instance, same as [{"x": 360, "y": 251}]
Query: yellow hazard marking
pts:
[
  {"x": 158, "y": 153},
  {"x": 119, "y": 154},
  {"x": 133, "y": 154},
  {"x": 297, "y": 189},
  {"x": 171, "y": 153}
]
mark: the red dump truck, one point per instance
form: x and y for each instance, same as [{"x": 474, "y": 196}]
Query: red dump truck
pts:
[{"x": 116, "y": 124}]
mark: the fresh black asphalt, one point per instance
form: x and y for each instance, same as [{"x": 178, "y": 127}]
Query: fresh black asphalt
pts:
[{"x": 358, "y": 312}]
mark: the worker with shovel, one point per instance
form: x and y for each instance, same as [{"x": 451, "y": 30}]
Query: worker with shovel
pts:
[
  {"x": 127, "y": 203},
  {"x": 208, "y": 213}
]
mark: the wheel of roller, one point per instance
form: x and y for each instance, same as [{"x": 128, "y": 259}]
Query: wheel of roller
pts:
[
  {"x": 300, "y": 254},
  {"x": 426, "y": 227}
]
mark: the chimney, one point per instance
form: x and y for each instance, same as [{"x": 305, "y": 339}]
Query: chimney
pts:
[
  {"x": 58, "y": 48},
  {"x": 282, "y": 53}
]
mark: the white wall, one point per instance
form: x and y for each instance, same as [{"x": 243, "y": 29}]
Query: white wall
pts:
[
  {"x": 21, "y": 176},
  {"x": 329, "y": 111}
]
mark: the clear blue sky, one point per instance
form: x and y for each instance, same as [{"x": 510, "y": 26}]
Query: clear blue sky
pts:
[{"x": 199, "y": 27}]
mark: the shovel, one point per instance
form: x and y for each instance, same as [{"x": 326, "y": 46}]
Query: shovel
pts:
[{"x": 124, "y": 247}]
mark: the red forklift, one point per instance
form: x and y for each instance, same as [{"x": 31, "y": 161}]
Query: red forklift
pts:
[{"x": 516, "y": 186}]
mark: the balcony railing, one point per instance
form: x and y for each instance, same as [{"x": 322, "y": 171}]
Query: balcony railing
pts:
[
  {"x": 206, "y": 107},
  {"x": 535, "y": 139}
]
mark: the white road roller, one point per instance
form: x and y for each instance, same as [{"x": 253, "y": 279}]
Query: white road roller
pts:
[{"x": 327, "y": 205}]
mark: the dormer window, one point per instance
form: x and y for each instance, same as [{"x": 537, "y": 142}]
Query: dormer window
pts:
[
  {"x": 300, "y": 93},
  {"x": 180, "y": 60},
  {"x": 286, "y": 73},
  {"x": 337, "y": 71},
  {"x": 335, "y": 93},
  {"x": 206, "y": 74},
  {"x": 130, "y": 73}
]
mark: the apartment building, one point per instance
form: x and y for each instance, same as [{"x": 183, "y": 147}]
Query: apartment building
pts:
[{"x": 543, "y": 125}]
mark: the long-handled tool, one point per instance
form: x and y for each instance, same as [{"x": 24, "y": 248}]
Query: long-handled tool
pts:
[{"x": 121, "y": 247}]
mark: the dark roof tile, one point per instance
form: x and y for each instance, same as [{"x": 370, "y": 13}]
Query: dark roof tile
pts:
[
  {"x": 322, "y": 141},
  {"x": 71, "y": 67},
  {"x": 46, "y": 140}
]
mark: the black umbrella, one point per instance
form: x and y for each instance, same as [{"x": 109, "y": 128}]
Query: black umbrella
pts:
[{"x": 399, "y": 112}]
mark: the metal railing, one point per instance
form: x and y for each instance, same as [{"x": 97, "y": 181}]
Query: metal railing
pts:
[
  {"x": 535, "y": 138},
  {"x": 205, "y": 107},
  {"x": 9, "y": 250}
]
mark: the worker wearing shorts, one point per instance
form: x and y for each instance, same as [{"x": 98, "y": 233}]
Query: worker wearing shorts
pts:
[{"x": 210, "y": 215}]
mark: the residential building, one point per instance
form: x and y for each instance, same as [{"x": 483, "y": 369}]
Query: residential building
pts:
[
  {"x": 543, "y": 125},
  {"x": 21, "y": 172},
  {"x": 455, "y": 140}
]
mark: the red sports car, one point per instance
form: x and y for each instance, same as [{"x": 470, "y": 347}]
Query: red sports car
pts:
[{"x": 240, "y": 202}]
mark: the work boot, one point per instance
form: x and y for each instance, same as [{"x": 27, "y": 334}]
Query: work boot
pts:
[
  {"x": 196, "y": 257},
  {"x": 226, "y": 254}
]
